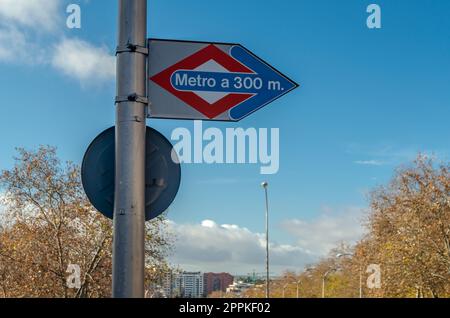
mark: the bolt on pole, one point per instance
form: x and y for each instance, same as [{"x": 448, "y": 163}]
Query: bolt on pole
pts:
[{"x": 129, "y": 198}]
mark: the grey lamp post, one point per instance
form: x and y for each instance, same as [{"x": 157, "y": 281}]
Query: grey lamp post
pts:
[
  {"x": 324, "y": 277},
  {"x": 299, "y": 282},
  {"x": 298, "y": 288},
  {"x": 265, "y": 185},
  {"x": 360, "y": 272}
]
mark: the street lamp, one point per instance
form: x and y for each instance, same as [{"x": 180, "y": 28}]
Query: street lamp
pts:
[
  {"x": 324, "y": 277},
  {"x": 284, "y": 289},
  {"x": 360, "y": 272},
  {"x": 307, "y": 272},
  {"x": 298, "y": 288},
  {"x": 265, "y": 185}
]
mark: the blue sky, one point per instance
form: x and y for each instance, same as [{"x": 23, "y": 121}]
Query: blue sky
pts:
[{"x": 369, "y": 100}]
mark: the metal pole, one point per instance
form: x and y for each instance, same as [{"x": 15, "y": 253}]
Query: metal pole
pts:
[
  {"x": 267, "y": 244},
  {"x": 298, "y": 285},
  {"x": 323, "y": 286},
  {"x": 325, "y": 275},
  {"x": 129, "y": 203},
  {"x": 360, "y": 282}
]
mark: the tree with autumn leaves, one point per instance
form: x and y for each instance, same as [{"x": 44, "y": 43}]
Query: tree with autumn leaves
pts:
[
  {"x": 409, "y": 232},
  {"x": 49, "y": 226},
  {"x": 408, "y": 237}
]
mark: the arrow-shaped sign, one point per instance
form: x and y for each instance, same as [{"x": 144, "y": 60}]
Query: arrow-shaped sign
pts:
[
  {"x": 192, "y": 80},
  {"x": 274, "y": 86}
]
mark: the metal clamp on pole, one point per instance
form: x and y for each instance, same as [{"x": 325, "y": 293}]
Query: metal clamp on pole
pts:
[
  {"x": 147, "y": 109},
  {"x": 132, "y": 48},
  {"x": 132, "y": 98}
]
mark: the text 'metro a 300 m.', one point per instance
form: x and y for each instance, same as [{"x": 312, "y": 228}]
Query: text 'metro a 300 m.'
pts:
[{"x": 210, "y": 81}]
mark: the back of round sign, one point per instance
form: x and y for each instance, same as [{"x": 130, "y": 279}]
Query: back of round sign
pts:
[{"x": 162, "y": 173}]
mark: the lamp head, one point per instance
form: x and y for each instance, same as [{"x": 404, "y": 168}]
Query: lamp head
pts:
[{"x": 264, "y": 184}]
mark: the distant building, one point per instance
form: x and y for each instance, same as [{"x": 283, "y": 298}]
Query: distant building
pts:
[
  {"x": 238, "y": 288},
  {"x": 169, "y": 284},
  {"x": 183, "y": 284},
  {"x": 216, "y": 282},
  {"x": 194, "y": 284}
]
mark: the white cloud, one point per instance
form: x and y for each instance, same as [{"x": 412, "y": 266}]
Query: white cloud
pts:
[
  {"x": 391, "y": 154},
  {"x": 29, "y": 27},
  {"x": 37, "y": 14},
  {"x": 212, "y": 247},
  {"x": 83, "y": 61},
  {"x": 369, "y": 162},
  {"x": 12, "y": 42},
  {"x": 15, "y": 47},
  {"x": 22, "y": 24},
  {"x": 209, "y": 246},
  {"x": 318, "y": 236}
]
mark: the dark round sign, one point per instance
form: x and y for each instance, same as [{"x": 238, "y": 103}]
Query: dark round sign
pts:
[{"x": 162, "y": 173}]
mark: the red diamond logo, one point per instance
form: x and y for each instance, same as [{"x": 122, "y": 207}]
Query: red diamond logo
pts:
[{"x": 209, "y": 104}]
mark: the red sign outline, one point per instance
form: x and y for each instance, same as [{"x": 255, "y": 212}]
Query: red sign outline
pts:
[{"x": 211, "y": 52}]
